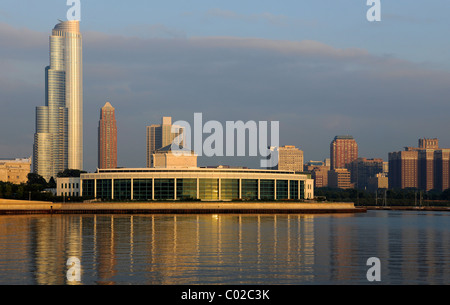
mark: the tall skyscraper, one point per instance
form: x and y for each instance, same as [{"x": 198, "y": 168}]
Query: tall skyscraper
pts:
[
  {"x": 107, "y": 137},
  {"x": 159, "y": 136},
  {"x": 58, "y": 141},
  {"x": 343, "y": 151}
]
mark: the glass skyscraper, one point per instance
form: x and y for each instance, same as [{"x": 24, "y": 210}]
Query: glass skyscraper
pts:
[{"x": 58, "y": 141}]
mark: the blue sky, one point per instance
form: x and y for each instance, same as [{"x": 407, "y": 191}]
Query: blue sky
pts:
[{"x": 318, "y": 66}]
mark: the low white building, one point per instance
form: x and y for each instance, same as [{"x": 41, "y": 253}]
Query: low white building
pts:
[{"x": 68, "y": 187}]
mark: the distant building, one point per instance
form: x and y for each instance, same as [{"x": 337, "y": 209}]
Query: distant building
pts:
[
  {"x": 15, "y": 171},
  {"x": 290, "y": 158},
  {"x": 343, "y": 151},
  {"x": 159, "y": 136},
  {"x": 380, "y": 181},
  {"x": 319, "y": 172},
  {"x": 425, "y": 167},
  {"x": 363, "y": 169},
  {"x": 107, "y": 138},
  {"x": 339, "y": 178},
  {"x": 320, "y": 176},
  {"x": 166, "y": 158}
]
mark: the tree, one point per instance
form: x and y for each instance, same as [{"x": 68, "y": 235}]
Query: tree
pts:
[
  {"x": 71, "y": 173},
  {"x": 52, "y": 183},
  {"x": 34, "y": 178}
]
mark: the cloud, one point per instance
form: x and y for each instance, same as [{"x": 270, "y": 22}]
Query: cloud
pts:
[{"x": 315, "y": 90}]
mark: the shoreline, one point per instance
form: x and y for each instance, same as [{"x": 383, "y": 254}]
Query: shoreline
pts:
[
  {"x": 407, "y": 208},
  {"x": 13, "y": 207}
]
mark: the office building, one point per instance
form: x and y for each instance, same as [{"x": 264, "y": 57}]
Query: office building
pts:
[
  {"x": 207, "y": 184},
  {"x": 290, "y": 158},
  {"x": 58, "y": 141},
  {"x": 319, "y": 172},
  {"x": 15, "y": 170},
  {"x": 339, "y": 178},
  {"x": 363, "y": 169},
  {"x": 425, "y": 167},
  {"x": 159, "y": 136},
  {"x": 343, "y": 151},
  {"x": 107, "y": 137},
  {"x": 380, "y": 181},
  {"x": 320, "y": 176}
]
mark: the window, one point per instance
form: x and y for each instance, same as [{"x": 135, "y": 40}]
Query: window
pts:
[
  {"x": 142, "y": 189},
  {"x": 209, "y": 189},
  {"x": 104, "y": 189},
  {"x": 122, "y": 189},
  {"x": 282, "y": 189},
  {"x": 229, "y": 189},
  {"x": 250, "y": 189},
  {"x": 267, "y": 189},
  {"x": 164, "y": 189},
  {"x": 186, "y": 189}
]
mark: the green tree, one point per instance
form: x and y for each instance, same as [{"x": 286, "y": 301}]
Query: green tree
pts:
[{"x": 34, "y": 178}]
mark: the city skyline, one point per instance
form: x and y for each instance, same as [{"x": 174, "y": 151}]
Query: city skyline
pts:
[{"x": 380, "y": 99}]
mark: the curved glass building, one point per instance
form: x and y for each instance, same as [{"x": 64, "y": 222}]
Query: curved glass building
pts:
[
  {"x": 207, "y": 184},
  {"x": 58, "y": 141}
]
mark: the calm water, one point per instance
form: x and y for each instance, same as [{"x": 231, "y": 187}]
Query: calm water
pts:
[{"x": 413, "y": 248}]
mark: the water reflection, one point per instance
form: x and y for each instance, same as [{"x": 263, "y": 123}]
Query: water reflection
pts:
[{"x": 224, "y": 249}]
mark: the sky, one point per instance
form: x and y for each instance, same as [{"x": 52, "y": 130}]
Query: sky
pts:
[{"x": 316, "y": 66}]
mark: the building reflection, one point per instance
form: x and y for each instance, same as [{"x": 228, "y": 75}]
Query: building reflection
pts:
[
  {"x": 173, "y": 249},
  {"x": 212, "y": 249}
]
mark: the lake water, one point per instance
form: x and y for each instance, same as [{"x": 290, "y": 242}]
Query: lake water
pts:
[{"x": 412, "y": 248}]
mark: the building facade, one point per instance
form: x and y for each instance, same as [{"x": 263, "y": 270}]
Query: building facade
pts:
[
  {"x": 58, "y": 141},
  {"x": 425, "y": 167},
  {"x": 340, "y": 178},
  {"x": 68, "y": 187},
  {"x": 15, "y": 171},
  {"x": 343, "y": 151},
  {"x": 290, "y": 158},
  {"x": 107, "y": 137},
  {"x": 181, "y": 158},
  {"x": 363, "y": 169},
  {"x": 159, "y": 136},
  {"x": 209, "y": 184}
]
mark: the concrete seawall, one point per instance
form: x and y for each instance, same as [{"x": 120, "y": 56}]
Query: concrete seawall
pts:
[{"x": 12, "y": 207}]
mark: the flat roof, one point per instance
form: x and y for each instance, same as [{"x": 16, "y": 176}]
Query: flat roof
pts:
[{"x": 195, "y": 169}]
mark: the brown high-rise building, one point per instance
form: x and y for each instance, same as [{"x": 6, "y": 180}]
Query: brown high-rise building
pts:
[
  {"x": 343, "y": 151},
  {"x": 425, "y": 167},
  {"x": 107, "y": 138}
]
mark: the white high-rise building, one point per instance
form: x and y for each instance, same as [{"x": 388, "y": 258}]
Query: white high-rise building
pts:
[{"x": 58, "y": 141}]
